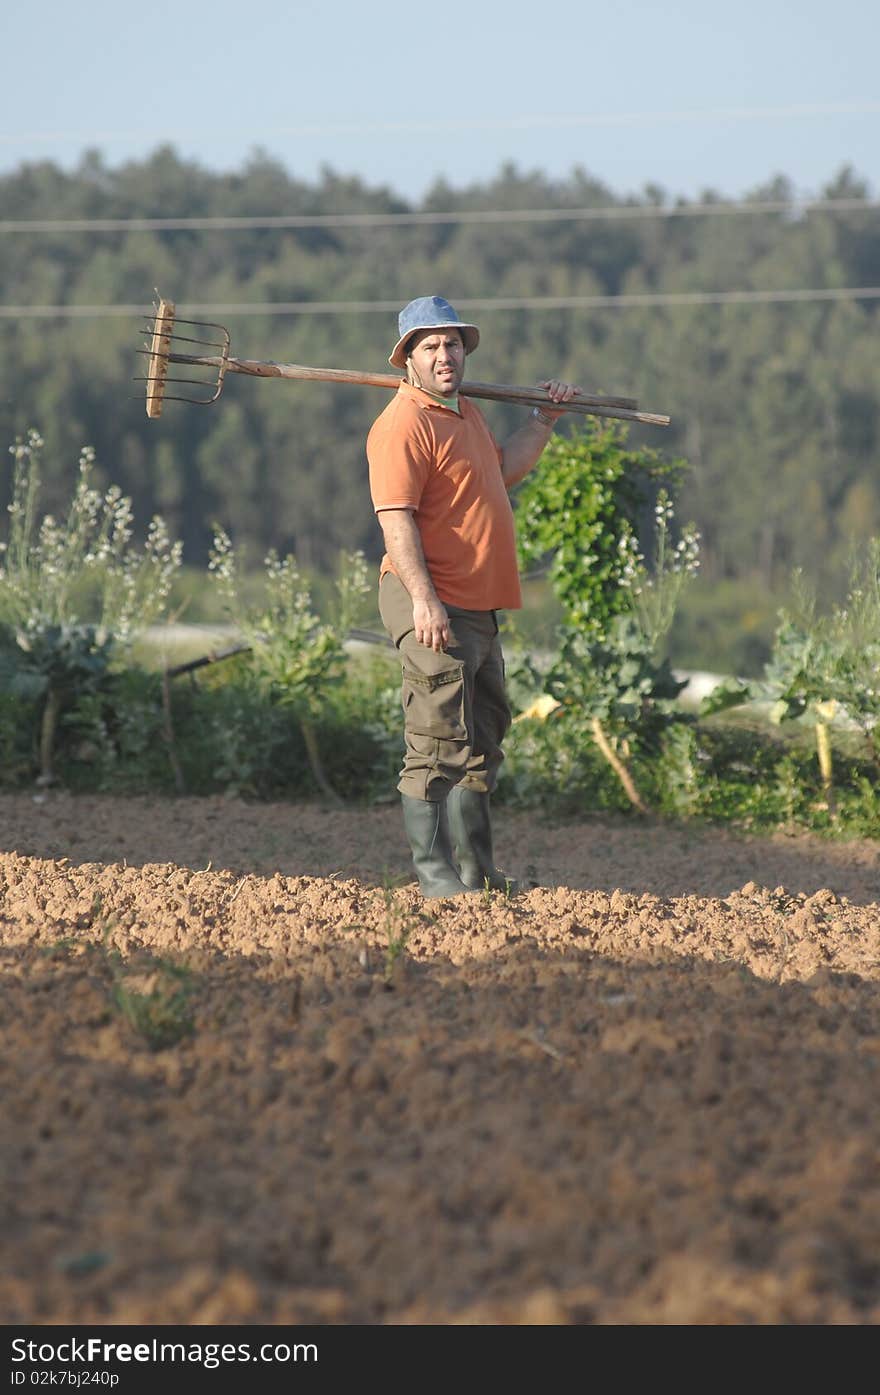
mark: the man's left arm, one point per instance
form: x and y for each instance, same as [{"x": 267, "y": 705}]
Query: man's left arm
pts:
[{"x": 524, "y": 448}]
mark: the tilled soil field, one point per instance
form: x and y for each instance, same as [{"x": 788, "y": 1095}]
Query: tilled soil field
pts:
[{"x": 249, "y": 1076}]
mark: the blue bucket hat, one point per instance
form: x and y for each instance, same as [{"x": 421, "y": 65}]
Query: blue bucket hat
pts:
[{"x": 430, "y": 312}]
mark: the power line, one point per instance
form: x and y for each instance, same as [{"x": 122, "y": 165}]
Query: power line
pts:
[
  {"x": 365, "y": 307},
  {"x": 534, "y": 121},
  {"x": 553, "y": 121},
  {"x": 610, "y": 213}
]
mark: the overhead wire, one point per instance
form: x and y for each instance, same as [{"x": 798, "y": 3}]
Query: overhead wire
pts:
[
  {"x": 523, "y": 122},
  {"x": 363, "y": 307},
  {"x": 453, "y": 217},
  {"x": 431, "y": 218}
]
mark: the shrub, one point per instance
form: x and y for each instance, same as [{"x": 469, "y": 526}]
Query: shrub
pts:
[
  {"x": 73, "y": 594},
  {"x": 823, "y": 671},
  {"x": 295, "y": 658},
  {"x": 578, "y": 515}
]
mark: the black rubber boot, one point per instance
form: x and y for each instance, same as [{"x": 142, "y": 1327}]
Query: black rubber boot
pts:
[
  {"x": 471, "y": 828},
  {"x": 427, "y": 829}
]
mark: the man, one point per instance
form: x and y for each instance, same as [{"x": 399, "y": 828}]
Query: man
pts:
[{"x": 439, "y": 482}]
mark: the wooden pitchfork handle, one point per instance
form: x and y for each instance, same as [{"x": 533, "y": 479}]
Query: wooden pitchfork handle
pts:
[{"x": 584, "y": 404}]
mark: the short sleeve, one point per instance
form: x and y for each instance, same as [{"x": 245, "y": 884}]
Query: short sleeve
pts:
[{"x": 399, "y": 455}]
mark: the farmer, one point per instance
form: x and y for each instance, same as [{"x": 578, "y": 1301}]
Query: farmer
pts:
[{"x": 439, "y": 482}]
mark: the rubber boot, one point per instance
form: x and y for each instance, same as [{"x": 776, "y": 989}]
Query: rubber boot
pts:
[
  {"x": 427, "y": 829},
  {"x": 471, "y": 828}
]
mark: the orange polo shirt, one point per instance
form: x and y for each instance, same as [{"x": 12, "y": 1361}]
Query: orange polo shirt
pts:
[{"x": 446, "y": 467}]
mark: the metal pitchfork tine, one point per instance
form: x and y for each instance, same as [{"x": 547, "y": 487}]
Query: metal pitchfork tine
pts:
[
  {"x": 160, "y": 353},
  {"x": 162, "y": 331}
]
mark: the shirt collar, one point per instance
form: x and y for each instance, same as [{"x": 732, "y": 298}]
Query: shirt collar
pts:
[{"x": 427, "y": 399}]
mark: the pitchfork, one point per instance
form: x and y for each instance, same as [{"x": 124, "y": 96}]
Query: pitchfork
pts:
[{"x": 162, "y": 330}]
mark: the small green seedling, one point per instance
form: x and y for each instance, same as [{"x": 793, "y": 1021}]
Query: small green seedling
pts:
[
  {"x": 153, "y": 997},
  {"x": 399, "y": 925}
]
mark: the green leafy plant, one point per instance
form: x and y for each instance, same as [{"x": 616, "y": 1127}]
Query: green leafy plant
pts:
[
  {"x": 154, "y": 999},
  {"x": 73, "y": 594},
  {"x": 620, "y": 692},
  {"x": 580, "y": 509},
  {"x": 657, "y": 589},
  {"x": 824, "y": 668},
  {"x": 577, "y": 519},
  {"x": 294, "y": 655},
  {"x": 399, "y": 925}
]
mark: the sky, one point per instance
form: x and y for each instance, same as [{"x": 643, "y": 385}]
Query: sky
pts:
[{"x": 689, "y": 96}]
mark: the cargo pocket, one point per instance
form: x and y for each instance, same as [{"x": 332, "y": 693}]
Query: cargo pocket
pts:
[{"x": 433, "y": 703}]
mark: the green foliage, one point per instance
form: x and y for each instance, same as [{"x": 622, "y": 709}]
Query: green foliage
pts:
[
  {"x": 823, "y": 671},
  {"x": 155, "y": 999},
  {"x": 294, "y": 654},
  {"x": 672, "y": 778},
  {"x": 578, "y": 516},
  {"x": 154, "y": 996},
  {"x": 658, "y": 590},
  {"x": 616, "y": 678},
  {"x": 114, "y": 738},
  {"x": 554, "y": 766},
  {"x": 708, "y": 770},
  {"x": 17, "y": 739},
  {"x": 296, "y": 658},
  {"x": 823, "y": 665},
  {"x": 233, "y": 737},
  {"x": 754, "y": 780},
  {"x": 58, "y": 575},
  {"x": 69, "y": 659},
  {"x": 579, "y": 512},
  {"x": 73, "y": 597},
  {"x": 73, "y": 594},
  {"x": 399, "y": 926}
]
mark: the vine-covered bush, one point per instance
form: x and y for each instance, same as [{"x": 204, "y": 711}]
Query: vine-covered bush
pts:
[{"x": 579, "y": 515}]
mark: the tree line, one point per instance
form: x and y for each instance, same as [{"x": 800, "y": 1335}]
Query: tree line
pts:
[{"x": 775, "y": 406}]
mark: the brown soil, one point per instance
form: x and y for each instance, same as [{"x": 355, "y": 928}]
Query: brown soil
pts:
[{"x": 643, "y": 1091}]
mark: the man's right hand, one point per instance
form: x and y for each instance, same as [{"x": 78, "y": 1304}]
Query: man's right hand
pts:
[
  {"x": 431, "y": 623},
  {"x": 403, "y": 544}
]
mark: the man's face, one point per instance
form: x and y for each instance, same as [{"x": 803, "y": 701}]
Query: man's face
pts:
[{"x": 438, "y": 359}]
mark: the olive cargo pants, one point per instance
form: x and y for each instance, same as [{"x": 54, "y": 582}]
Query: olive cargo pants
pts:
[{"x": 456, "y": 712}]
